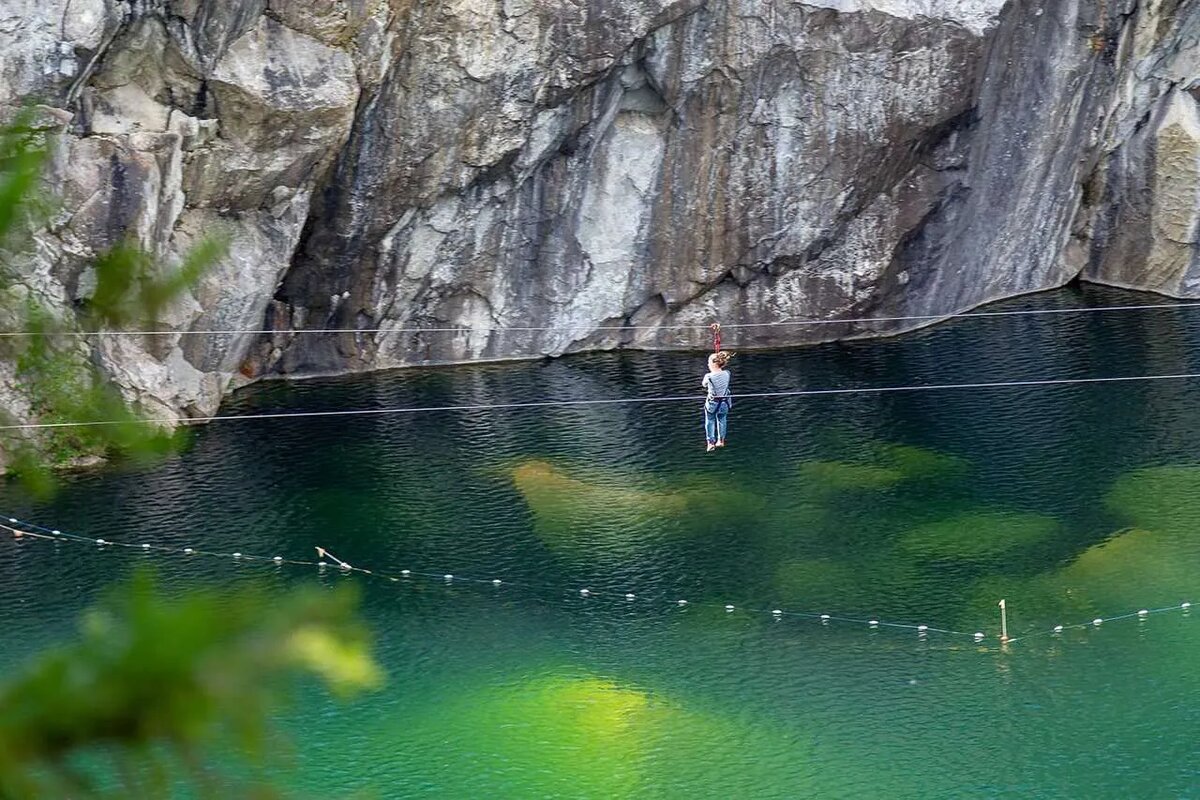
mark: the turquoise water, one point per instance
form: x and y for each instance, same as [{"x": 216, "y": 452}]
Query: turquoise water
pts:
[{"x": 1070, "y": 502}]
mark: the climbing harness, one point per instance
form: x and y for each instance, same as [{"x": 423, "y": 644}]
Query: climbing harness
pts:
[{"x": 716, "y": 332}]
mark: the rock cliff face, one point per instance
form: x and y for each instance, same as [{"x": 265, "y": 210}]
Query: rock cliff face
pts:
[{"x": 505, "y": 166}]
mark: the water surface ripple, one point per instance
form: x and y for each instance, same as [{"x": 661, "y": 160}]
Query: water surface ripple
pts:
[{"x": 1070, "y": 502}]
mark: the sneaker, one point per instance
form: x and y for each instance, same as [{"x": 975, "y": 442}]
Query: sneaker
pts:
[
  {"x": 721, "y": 443},
  {"x": 711, "y": 447}
]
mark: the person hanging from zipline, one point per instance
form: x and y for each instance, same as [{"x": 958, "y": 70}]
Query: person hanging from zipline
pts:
[{"x": 718, "y": 401}]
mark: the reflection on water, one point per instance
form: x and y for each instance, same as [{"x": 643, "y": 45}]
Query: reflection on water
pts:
[{"x": 1070, "y": 502}]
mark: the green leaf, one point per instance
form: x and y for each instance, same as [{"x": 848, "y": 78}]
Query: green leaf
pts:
[
  {"x": 22, "y": 155},
  {"x": 157, "y": 677}
]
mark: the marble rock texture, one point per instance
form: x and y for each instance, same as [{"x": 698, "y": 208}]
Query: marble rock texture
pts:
[{"x": 568, "y": 166}]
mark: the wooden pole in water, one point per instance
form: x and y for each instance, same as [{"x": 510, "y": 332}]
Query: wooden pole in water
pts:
[{"x": 1003, "y": 622}]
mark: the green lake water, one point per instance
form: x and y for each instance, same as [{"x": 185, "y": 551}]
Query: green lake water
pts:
[{"x": 1070, "y": 502}]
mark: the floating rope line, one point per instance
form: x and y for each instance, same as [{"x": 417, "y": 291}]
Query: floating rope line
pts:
[
  {"x": 1140, "y": 614},
  {"x": 690, "y": 398},
  {"x": 589, "y": 328},
  {"x": 21, "y": 529}
]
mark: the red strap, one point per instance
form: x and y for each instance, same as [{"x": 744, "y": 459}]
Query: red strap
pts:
[{"x": 716, "y": 329}]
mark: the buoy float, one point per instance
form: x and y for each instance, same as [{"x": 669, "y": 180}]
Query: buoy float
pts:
[
  {"x": 496, "y": 581},
  {"x": 825, "y": 618},
  {"x": 922, "y": 628},
  {"x": 630, "y": 596},
  {"x": 874, "y": 623},
  {"x": 978, "y": 636},
  {"x": 448, "y": 577},
  {"x": 1143, "y": 612},
  {"x": 681, "y": 602},
  {"x": 1185, "y": 605},
  {"x": 1097, "y": 621},
  {"x": 188, "y": 550},
  {"x": 322, "y": 564},
  {"x": 584, "y": 592},
  {"x": 729, "y": 608},
  {"x": 101, "y": 542},
  {"x": 405, "y": 572},
  {"x": 145, "y": 547},
  {"x": 237, "y": 555},
  {"x": 776, "y": 612},
  {"x": 1058, "y": 628}
]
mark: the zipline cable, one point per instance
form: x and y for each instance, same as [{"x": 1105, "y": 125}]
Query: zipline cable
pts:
[
  {"x": 613, "y": 401},
  {"x": 589, "y": 328}
]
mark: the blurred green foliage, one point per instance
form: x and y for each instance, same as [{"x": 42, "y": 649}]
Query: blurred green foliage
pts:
[
  {"x": 131, "y": 288},
  {"x": 155, "y": 690},
  {"x": 53, "y": 365},
  {"x": 155, "y": 686},
  {"x": 22, "y": 154}
]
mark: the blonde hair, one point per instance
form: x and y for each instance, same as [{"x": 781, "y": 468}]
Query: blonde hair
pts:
[{"x": 720, "y": 358}]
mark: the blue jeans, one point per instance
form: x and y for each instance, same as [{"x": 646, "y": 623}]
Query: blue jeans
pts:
[{"x": 716, "y": 420}]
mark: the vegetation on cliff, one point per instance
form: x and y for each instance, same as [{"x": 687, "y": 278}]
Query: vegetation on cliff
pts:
[{"x": 45, "y": 357}]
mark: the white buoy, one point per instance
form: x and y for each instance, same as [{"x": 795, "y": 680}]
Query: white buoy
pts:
[
  {"x": 874, "y": 623},
  {"x": 405, "y": 572},
  {"x": 448, "y": 577},
  {"x": 145, "y": 547},
  {"x": 630, "y": 596},
  {"x": 777, "y": 612},
  {"x": 12, "y": 519},
  {"x": 188, "y": 550},
  {"x": 825, "y": 618},
  {"x": 978, "y": 636},
  {"x": 1185, "y": 605},
  {"x": 322, "y": 564},
  {"x": 237, "y": 555},
  {"x": 1058, "y": 628},
  {"x": 584, "y": 592},
  {"x": 729, "y": 608},
  {"x": 681, "y": 602},
  {"x": 922, "y": 628},
  {"x": 101, "y": 542},
  {"x": 496, "y": 581},
  {"x": 57, "y": 533},
  {"x": 1097, "y": 621},
  {"x": 1143, "y": 612}
]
